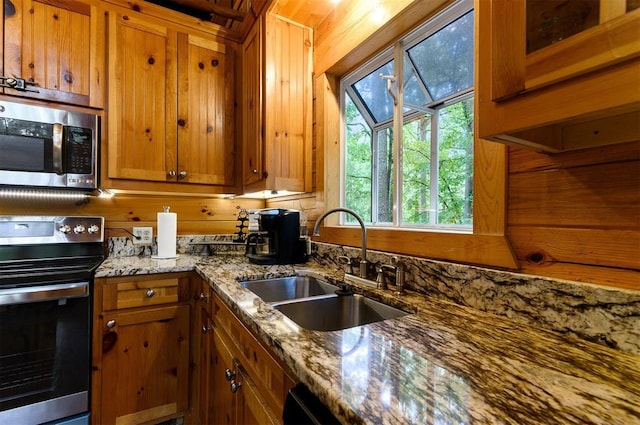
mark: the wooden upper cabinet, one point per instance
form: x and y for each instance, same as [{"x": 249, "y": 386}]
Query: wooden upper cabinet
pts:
[
  {"x": 171, "y": 100},
  {"x": 57, "y": 46},
  {"x": 205, "y": 111},
  {"x": 558, "y": 75},
  {"x": 252, "y": 107},
  {"x": 142, "y": 98},
  {"x": 277, "y": 104}
]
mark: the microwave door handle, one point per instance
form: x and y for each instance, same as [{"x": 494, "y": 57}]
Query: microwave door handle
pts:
[{"x": 57, "y": 147}]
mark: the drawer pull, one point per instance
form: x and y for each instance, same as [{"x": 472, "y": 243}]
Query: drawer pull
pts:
[
  {"x": 111, "y": 324},
  {"x": 150, "y": 293}
]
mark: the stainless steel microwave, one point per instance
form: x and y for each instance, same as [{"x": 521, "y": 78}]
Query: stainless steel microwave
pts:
[{"x": 48, "y": 147}]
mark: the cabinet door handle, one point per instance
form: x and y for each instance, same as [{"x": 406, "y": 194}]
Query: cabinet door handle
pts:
[
  {"x": 255, "y": 171},
  {"x": 234, "y": 386},
  {"x": 171, "y": 174},
  {"x": 150, "y": 293},
  {"x": 182, "y": 174},
  {"x": 229, "y": 374},
  {"x": 203, "y": 296},
  {"x": 111, "y": 324},
  {"x": 206, "y": 329}
]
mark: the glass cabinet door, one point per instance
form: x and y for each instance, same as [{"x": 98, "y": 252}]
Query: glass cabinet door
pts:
[{"x": 550, "y": 21}]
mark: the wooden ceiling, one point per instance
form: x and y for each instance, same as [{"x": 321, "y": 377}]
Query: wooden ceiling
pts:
[
  {"x": 231, "y": 13},
  {"x": 305, "y": 12}
]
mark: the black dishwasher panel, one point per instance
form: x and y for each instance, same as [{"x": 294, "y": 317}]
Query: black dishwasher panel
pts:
[{"x": 302, "y": 407}]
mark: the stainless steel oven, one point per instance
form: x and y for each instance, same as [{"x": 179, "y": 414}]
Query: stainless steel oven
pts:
[{"x": 46, "y": 278}]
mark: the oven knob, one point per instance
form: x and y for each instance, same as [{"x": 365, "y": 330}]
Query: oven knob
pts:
[
  {"x": 79, "y": 229},
  {"x": 65, "y": 228},
  {"x": 93, "y": 229}
]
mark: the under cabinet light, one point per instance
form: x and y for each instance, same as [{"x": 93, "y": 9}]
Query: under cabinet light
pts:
[
  {"x": 105, "y": 194},
  {"x": 39, "y": 195},
  {"x": 267, "y": 194}
]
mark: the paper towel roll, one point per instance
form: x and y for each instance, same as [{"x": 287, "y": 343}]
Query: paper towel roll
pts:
[{"x": 167, "y": 226}]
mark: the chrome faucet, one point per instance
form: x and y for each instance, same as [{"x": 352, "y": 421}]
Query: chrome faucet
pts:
[{"x": 363, "y": 254}]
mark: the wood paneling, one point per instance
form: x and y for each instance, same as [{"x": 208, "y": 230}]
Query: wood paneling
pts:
[
  {"x": 195, "y": 215},
  {"x": 576, "y": 215},
  {"x": 357, "y": 24}
]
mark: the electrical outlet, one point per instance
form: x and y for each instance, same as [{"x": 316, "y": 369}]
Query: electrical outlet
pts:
[{"x": 145, "y": 234}]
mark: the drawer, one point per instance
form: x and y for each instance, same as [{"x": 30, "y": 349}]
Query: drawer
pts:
[{"x": 140, "y": 293}]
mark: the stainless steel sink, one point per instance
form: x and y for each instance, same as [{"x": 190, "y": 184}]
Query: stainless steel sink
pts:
[
  {"x": 338, "y": 312},
  {"x": 289, "y": 288}
]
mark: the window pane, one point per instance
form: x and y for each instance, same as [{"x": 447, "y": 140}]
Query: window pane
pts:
[
  {"x": 372, "y": 90},
  {"x": 413, "y": 93},
  {"x": 444, "y": 60},
  {"x": 357, "y": 162},
  {"x": 455, "y": 160},
  {"x": 384, "y": 176},
  {"x": 416, "y": 160}
]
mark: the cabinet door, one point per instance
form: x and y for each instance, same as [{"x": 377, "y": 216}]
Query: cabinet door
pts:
[
  {"x": 142, "y": 99},
  {"x": 58, "y": 46},
  {"x": 547, "y": 41},
  {"x": 223, "y": 401},
  {"x": 205, "y": 111},
  {"x": 571, "y": 94},
  {"x": 252, "y": 106},
  {"x": 288, "y": 79},
  {"x": 252, "y": 408},
  {"x": 206, "y": 370},
  {"x": 145, "y": 364}
]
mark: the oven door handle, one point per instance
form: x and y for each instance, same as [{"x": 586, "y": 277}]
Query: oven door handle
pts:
[{"x": 43, "y": 293}]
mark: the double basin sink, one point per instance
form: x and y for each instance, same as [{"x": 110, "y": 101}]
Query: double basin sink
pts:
[{"x": 318, "y": 305}]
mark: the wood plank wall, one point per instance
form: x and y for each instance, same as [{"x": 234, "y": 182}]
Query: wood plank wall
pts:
[
  {"x": 196, "y": 215},
  {"x": 576, "y": 215}
]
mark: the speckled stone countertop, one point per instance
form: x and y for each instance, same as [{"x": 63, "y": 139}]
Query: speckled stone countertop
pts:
[{"x": 443, "y": 364}]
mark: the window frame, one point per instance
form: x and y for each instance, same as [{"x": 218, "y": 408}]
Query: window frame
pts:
[
  {"x": 398, "y": 53},
  {"x": 335, "y": 55}
]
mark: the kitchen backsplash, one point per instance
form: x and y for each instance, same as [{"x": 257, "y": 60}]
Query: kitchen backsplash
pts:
[
  {"x": 187, "y": 244},
  {"x": 603, "y": 315}
]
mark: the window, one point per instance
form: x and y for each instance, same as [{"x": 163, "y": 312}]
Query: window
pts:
[{"x": 408, "y": 128}]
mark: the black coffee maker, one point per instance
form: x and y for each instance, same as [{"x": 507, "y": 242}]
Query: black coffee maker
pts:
[{"x": 278, "y": 239}]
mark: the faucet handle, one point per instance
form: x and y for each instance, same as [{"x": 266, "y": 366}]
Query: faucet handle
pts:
[
  {"x": 381, "y": 280},
  {"x": 346, "y": 261},
  {"x": 400, "y": 275}
]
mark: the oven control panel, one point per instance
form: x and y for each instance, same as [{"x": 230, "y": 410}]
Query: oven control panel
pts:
[{"x": 17, "y": 230}]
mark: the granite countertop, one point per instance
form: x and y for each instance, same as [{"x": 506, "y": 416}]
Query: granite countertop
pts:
[{"x": 443, "y": 364}]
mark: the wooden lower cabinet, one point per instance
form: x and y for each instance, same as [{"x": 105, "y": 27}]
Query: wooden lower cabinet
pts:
[
  {"x": 141, "y": 352},
  {"x": 165, "y": 346},
  {"x": 248, "y": 385}
]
